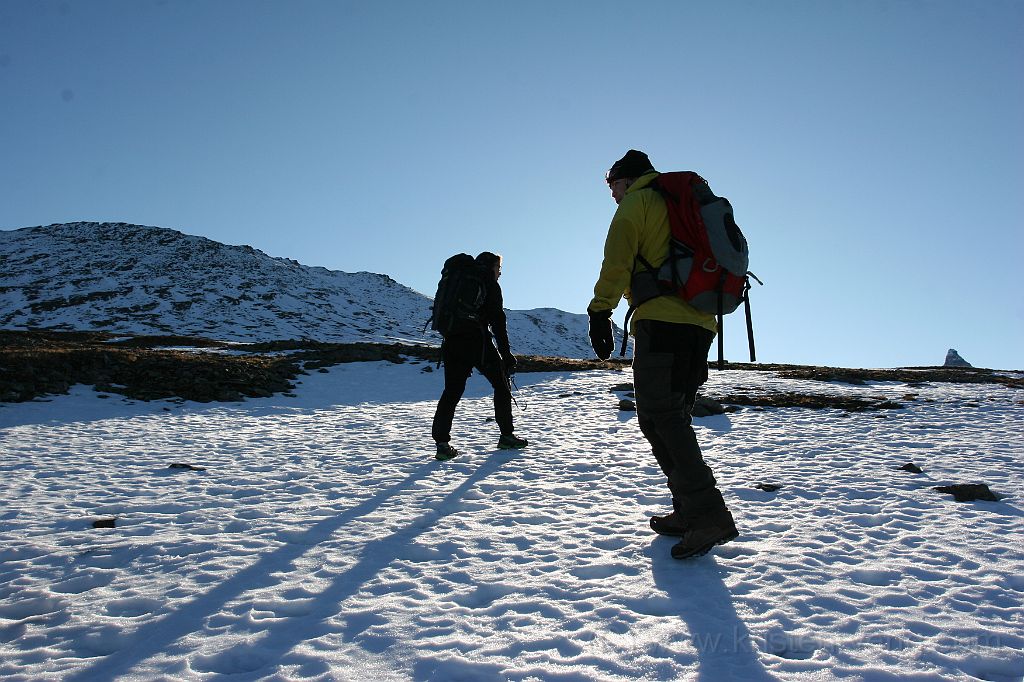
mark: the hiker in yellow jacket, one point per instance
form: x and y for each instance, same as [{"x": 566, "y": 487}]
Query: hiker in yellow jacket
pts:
[{"x": 670, "y": 352}]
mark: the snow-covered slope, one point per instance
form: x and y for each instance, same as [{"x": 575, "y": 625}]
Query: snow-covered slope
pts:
[
  {"x": 323, "y": 542},
  {"x": 148, "y": 280}
]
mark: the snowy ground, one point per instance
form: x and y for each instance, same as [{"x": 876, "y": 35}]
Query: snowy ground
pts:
[{"x": 324, "y": 542}]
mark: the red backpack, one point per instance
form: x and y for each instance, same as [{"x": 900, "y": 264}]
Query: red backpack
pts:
[{"x": 707, "y": 258}]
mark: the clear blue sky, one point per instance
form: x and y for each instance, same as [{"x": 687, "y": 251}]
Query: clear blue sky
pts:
[{"x": 873, "y": 150}]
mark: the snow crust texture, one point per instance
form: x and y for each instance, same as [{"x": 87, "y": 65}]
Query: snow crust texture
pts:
[
  {"x": 135, "y": 279},
  {"x": 323, "y": 542}
]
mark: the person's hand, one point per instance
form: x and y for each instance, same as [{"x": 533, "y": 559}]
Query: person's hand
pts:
[
  {"x": 509, "y": 361},
  {"x": 601, "y": 333}
]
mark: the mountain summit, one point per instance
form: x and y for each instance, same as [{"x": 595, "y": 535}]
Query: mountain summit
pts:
[{"x": 147, "y": 280}]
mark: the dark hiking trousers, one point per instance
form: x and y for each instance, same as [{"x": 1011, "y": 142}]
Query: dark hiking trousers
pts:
[
  {"x": 461, "y": 353},
  {"x": 670, "y": 362}
]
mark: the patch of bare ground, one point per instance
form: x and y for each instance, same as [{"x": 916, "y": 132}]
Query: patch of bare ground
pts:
[{"x": 34, "y": 363}]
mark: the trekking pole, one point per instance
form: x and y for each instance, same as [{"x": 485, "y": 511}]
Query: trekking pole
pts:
[
  {"x": 750, "y": 322},
  {"x": 750, "y": 330},
  {"x": 512, "y": 383}
]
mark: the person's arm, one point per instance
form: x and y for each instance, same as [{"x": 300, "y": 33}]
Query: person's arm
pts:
[
  {"x": 495, "y": 311},
  {"x": 620, "y": 249}
]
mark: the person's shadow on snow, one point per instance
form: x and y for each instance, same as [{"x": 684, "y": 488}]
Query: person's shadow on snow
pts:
[
  {"x": 279, "y": 639},
  {"x": 698, "y": 593}
]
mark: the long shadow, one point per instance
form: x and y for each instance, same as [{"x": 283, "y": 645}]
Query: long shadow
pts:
[
  {"x": 716, "y": 422},
  {"x": 724, "y": 645},
  {"x": 282, "y": 637},
  {"x": 155, "y": 637}
]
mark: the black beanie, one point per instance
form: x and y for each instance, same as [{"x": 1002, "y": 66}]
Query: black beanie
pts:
[
  {"x": 488, "y": 259},
  {"x": 632, "y": 165}
]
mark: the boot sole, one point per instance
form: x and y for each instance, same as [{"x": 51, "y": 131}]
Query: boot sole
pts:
[
  {"x": 669, "y": 533},
  {"x": 511, "y": 447},
  {"x": 704, "y": 549}
]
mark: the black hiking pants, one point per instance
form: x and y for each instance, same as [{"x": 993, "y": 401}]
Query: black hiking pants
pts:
[
  {"x": 461, "y": 354},
  {"x": 670, "y": 362}
]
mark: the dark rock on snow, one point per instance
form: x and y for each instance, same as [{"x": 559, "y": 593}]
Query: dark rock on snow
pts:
[
  {"x": 189, "y": 467},
  {"x": 968, "y": 492}
]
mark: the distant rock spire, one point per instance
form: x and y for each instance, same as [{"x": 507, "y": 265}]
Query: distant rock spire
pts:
[{"x": 953, "y": 359}]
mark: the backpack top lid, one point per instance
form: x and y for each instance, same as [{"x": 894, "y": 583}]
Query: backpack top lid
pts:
[{"x": 459, "y": 260}]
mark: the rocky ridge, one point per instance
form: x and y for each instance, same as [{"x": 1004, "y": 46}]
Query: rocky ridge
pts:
[
  {"x": 132, "y": 279},
  {"x": 34, "y": 364}
]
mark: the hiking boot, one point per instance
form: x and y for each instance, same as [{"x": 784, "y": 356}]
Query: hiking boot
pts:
[
  {"x": 511, "y": 441},
  {"x": 445, "y": 452},
  {"x": 672, "y": 524},
  {"x": 716, "y": 528}
]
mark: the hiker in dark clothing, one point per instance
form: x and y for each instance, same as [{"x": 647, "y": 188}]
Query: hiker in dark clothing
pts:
[
  {"x": 468, "y": 345},
  {"x": 672, "y": 340}
]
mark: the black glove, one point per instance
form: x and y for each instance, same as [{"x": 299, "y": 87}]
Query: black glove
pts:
[
  {"x": 601, "y": 333},
  {"x": 509, "y": 361}
]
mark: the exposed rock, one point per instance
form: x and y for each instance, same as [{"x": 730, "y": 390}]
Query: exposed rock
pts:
[
  {"x": 37, "y": 363},
  {"x": 104, "y": 523},
  {"x": 912, "y": 376},
  {"x": 768, "y": 487},
  {"x": 627, "y": 406},
  {"x": 705, "y": 407},
  {"x": 33, "y": 364},
  {"x": 912, "y": 468},
  {"x": 953, "y": 359},
  {"x": 968, "y": 492},
  {"x": 812, "y": 401},
  {"x": 189, "y": 467}
]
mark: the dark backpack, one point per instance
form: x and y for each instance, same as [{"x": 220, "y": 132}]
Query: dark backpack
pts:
[
  {"x": 460, "y": 293},
  {"x": 707, "y": 258}
]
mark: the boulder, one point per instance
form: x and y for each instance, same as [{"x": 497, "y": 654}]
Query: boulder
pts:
[{"x": 968, "y": 492}]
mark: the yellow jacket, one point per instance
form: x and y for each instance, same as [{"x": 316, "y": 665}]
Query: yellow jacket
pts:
[{"x": 640, "y": 226}]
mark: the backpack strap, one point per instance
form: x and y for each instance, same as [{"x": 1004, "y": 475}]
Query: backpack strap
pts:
[
  {"x": 625, "y": 330},
  {"x": 721, "y": 322},
  {"x": 644, "y": 262}
]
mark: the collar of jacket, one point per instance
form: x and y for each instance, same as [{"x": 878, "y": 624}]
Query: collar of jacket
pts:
[{"x": 643, "y": 181}]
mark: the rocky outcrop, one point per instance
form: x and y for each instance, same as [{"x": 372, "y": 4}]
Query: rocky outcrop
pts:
[{"x": 953, "y": 359}]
